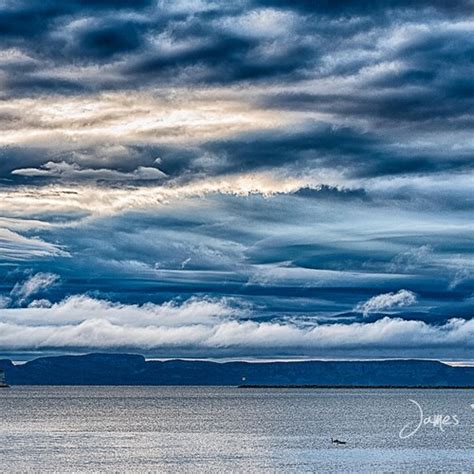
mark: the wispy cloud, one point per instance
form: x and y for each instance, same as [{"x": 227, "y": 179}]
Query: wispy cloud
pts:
[
  {"x": 17, "y": 247},
  {"x": 39, "y": 282},
  {"x": 387, "y": 302}
]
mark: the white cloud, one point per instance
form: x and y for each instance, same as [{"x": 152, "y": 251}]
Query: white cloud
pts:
[
  {"x": 22, "y": 292},
  {"x": 187, "y": 6},
  {"x": 387, "y": 301},
  {"x": 73, "y": 172},
  {"x": 262, "y": 23},
  {"x": 460, "y": 275},
  {"x": 42, "y": 303},
  {"x": 203, "y": 324},
  {"x": 16, "y": 247},
  {"x": 79, "y": 308}
]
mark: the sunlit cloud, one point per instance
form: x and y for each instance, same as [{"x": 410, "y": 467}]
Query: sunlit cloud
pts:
[
  {"x": 96, "y": 200},
  {"x": 180, "y": 116}
]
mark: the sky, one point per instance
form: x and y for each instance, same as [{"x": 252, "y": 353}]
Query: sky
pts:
[{"x": 264, "y": 178}]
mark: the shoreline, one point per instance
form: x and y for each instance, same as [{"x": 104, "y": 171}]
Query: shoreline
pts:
[{"x": 378, "y": 387}]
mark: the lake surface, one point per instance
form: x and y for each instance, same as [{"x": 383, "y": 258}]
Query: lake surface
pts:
[{"x": 217, "y": 429}]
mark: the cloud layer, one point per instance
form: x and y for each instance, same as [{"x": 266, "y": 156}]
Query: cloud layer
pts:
[{"x": 81, "y": 322}]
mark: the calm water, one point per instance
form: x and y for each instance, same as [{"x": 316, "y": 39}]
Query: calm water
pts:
[{"x": 190, "y": 429}]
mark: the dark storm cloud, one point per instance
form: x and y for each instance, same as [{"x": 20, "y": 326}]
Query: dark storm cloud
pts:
[
  {"x": 105, "y": 39},
  {"x": 447, "y": 107},
  {"x": 353, "y": 152},
  {"x": 226, "y": 60},
  {"x": 28, "y": 19},
  {"x": 316, "y": 144},
  {"x": 219, "y": 51},
  {"x": 429, "y": 86},
  {"x": 432, "y": 88}
]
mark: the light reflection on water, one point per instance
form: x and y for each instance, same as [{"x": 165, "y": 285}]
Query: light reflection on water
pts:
[{"x": 215, "y": 429}]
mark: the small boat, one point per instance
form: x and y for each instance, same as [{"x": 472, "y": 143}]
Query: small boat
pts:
[
  {"x": 337, "y": 442},
  {"x": 3, "y": 383}
]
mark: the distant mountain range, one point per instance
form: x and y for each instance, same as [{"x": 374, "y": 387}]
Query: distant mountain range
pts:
[{"x": 126, "y": 369}]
